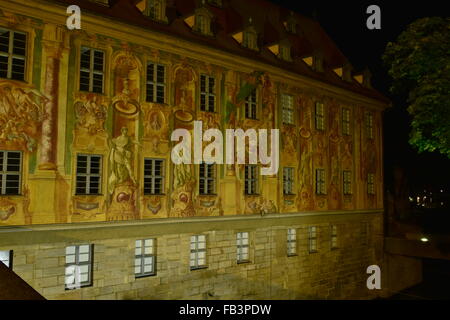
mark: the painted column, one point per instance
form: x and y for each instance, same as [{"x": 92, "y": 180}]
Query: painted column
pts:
[{"x": 53, "y": 49}]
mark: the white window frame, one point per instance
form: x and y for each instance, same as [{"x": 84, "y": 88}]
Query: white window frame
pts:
[
  {"x": 347, "y": 182},
  {"x": 79, "y": 261},
  {"x": 154, "y": 81},
  {"x": 242, "y": 247},
  {"x": 207, "y": 181},
  {"x": 312, "y": 239},
  {"x": 144, "y": 256},
  {"x": 346, "y": 121},
  {"x": 250, "y": 40},
  {"x": 291, "y": 242},
  {"x": 6, "y": 257},
  {"x": 10, "y": 55},
  {"x": 319, "y": 113},
  {"x": 251, "y": 105},
  {"x": 4, "y": 173},
  {"x": 251, "y": 179},
  {"x": 288, "y": 114},
  {"x": 198, "y": 252},
  {"x": 321, "y": 182},
  {"x": 371, "y": 184},
  {"x": 208, "y": 94},
  {"x": 285, "y": 53},
  {"x": 88, "y": 175},
  {"x": 150, "y": 179},
  {"x": 333, "y": 237},
  {"x": 91, "y": 71},
  {"x": 288, "y": 180}
]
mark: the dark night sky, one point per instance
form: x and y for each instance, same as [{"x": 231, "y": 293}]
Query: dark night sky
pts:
[{"x": 345, "y": 22}]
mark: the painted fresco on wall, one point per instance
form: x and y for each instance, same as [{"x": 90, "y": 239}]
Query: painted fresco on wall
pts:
[
  {"x": 21, "y": 116},
  {"x": 124, "y": 130}
]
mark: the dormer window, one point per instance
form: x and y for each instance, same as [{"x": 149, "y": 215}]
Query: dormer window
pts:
[
  {"x": 154, "y": 9},
  {"x": 347, "y": 72},
  {"x": 250, "y": 40},
  {"x": 291, "y": 24},
  {"x": 202, "y": 24},
  {"x": 200, "y": 21},
  {"x": 318, "y": 62},
  {"x": 285, "y": 51}
]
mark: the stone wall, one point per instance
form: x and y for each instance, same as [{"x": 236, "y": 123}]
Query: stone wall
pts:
[{"x": 271, "y": 274}]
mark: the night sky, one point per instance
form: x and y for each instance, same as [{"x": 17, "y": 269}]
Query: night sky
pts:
[{"x": 345, "y": 22}]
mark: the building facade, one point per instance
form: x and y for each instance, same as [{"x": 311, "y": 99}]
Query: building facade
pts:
[{"x": 86, "y": 117}]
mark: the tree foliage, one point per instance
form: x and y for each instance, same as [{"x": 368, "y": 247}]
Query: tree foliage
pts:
[{"x": 419, "y": 63}]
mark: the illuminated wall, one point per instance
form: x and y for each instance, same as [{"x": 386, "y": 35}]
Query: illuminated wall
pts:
[{"x": 51, "y": 121}]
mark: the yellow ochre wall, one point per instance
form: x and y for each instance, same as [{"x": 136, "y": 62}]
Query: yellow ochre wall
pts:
[{"x": 48, "y": 181}]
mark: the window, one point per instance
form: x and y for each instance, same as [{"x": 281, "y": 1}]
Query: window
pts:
[
  {"x": 153, "y": 176},
  {"x": 312, "y": 239},
  {"x": 89, "y": 168},
  {"x": 346, "y": 121},
  {"x": 156, "y": 83},
  {"x": 78, "y": 266},
  {"x": 251, "y": 105},
  {"x": 291, "y": 23},
  {"x": 198, "y": 252},
  {"x": 287, "y": 102},
  {"x": 288, "y": 181},
  {"x": 92, "y": 65},
  {"x": 369, "y": 125},
  {"x": 207, "y": 93},
  {"x": 320, "y": 181},
  {"x": 291, "y": 242},
  {"x": 207, "y": 179},
  {"x": 250, "y": 40},
  {"x": 156, "y": 10},
  {"x": 10, "y": 172},
  {"x": 6, "y": 258},
  {"x": 13, "y": 47},
  {"x": 202, "y": 22},
  {"x": 371, "y": 183},
  {"x": 251, "y": 179},
  {"x": 347, "y": 182},
  {"x": 242, "y": 245},
  {"x": 145, "y": 258},
  {"x": 334, "y": 243},
  {"x": 285, "y": 53},
  {"x": 320, "y": 116}
]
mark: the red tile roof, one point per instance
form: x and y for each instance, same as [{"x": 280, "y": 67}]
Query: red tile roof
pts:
[{"x": 232, "y": 17}]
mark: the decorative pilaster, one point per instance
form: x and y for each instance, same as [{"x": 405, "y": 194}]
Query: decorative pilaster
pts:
[{"x": 53, "y": 45}]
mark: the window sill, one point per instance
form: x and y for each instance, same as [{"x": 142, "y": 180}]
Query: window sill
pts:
[
  {"x": 199, "y": 268},
  {"x": 145, "y": 276},
  {"x": 243, "y": 261},
  {"x": 79, "y": 287},
  {"x": 292, "y": 255}
]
